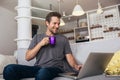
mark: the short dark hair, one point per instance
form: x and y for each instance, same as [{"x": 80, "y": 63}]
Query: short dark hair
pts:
[{"x": 51, "y": 14}]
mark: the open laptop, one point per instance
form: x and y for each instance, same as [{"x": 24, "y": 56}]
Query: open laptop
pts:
[{"x": 94, "y": 65}]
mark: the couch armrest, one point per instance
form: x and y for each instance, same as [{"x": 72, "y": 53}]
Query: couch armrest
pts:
[{"x": 5, "y": 60}]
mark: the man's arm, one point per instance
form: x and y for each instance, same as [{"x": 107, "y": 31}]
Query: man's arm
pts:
[
  {"x": 71, "y": 60},
  {"x": 31, "y": 53}
]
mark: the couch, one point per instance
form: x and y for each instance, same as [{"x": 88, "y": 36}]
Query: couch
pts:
[{"x": 20, "y": 59}]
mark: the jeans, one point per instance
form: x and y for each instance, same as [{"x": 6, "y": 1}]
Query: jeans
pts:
[{"x": 17, "y": 72}]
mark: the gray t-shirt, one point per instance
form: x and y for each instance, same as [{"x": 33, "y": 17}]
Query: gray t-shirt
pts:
[{"x": 52, "y": 56}]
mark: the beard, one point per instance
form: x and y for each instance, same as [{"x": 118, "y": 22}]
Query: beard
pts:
[{"x": 53, "y": 31}]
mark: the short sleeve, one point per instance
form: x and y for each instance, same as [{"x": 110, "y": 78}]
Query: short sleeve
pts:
[
  {"x": 33, "y": 42},
  {"x": 67, "y": 47}
]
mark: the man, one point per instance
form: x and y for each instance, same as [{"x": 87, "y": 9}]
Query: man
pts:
[{"x": 50, "y": 59}]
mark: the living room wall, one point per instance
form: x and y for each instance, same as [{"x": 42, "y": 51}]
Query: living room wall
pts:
[{"x": 8, "y": 31}]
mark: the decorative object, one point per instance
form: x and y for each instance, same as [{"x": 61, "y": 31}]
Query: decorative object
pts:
[{"x": 83, "y": 24}]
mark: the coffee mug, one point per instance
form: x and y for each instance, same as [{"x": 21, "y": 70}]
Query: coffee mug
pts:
[{"x": 52, "y": 40}]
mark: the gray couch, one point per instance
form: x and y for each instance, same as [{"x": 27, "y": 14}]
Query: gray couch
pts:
[{"x": 21, "y": 60}]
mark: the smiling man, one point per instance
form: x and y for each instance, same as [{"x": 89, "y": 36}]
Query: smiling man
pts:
[{"x": 50, "y": 60}]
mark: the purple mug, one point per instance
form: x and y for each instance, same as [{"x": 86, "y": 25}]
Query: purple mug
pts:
[{"x": 52, "y": 40}]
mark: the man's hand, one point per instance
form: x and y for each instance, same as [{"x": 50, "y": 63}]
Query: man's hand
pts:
[
  {"x": 78, "y": 67},
  {"x": 73, "y": 62},
  {"x": 30, "y": 54},
  {"x": 44, "y": 41}
]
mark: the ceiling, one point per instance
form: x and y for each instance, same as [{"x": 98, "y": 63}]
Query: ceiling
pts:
[
  {"x": 68, "y": 5},
  {"x": 65, "y": 5}
]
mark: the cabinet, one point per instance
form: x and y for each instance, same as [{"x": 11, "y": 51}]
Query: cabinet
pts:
[{"x": 81, "y": 34}]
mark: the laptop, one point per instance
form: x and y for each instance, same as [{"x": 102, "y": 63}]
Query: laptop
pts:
[{"x": 94, "y": 65}]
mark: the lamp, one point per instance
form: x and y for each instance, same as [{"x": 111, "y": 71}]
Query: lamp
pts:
[
  {"x": 78, "y": 11},
  {"x": 99, "y": 10},
  {"x": 62, "y": 23}
]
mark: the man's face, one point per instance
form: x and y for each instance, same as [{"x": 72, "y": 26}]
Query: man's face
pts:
[{"x": 53, "y": 26}]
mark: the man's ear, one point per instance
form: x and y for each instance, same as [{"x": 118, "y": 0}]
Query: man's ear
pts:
[{"x": 47, "y": 23}]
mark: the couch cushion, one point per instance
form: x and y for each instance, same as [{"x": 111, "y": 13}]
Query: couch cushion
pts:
[
  {"x": 28, "y": 79},
  {"x": 57, "y": 78},
  {"x": 62, "y": 78},
  {"x": 21, "y": 57},
  {"x": 100, "y": 77},
  {"x": 1, "y": 76},
  {"x": 5, "y": 60}
]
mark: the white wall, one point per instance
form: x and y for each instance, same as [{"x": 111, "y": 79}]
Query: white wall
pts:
[
  {"x": 82, "y": 50},
  {"x": 8, "y": 31}
]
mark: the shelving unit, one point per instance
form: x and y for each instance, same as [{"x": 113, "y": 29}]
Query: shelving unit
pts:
[
  {"x": 81, "y": 34},
  {"x": 99, "y": 26},
  {"x": 96, "y": 32},
  {"x": 63, "y": 31},
  {"x": 78, "y": 34},
  {"x": 106, "y": 25},
  {"x": 68, "y": 33}
]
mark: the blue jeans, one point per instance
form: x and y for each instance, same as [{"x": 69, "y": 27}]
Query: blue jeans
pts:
[{"x": 17, "y": 72}]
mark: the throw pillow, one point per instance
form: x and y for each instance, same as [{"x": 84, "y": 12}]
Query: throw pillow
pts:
[
  {"x": 113, "y": 67},
  {"x": 5, "y": 60}
]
